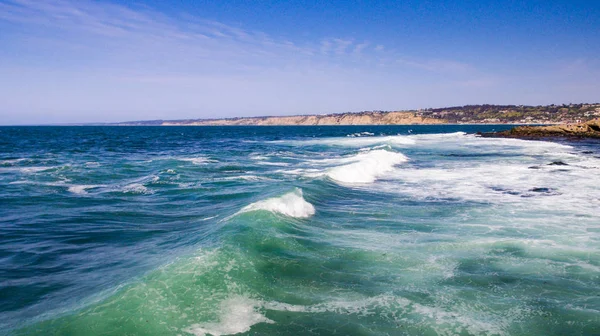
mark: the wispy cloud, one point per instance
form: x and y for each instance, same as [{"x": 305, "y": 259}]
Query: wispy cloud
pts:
[
  {"x": 85, "y": 55},
  {"x": 342, "y": 46},
  {"x": 325, "y": 47},
  {"x": 358, "y": 49},
  {"x": 146, "y": 31},
  {"x": 88, "y": 22},
  {"x": 444, "y": 66}
]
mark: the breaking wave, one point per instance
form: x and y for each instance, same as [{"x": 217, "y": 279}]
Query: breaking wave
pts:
[
  {"x": 367, "y": 167},
  {"x": 291, "y": 204}
]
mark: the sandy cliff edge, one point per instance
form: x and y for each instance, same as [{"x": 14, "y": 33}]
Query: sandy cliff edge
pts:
[{"x": 365, "y": 118}]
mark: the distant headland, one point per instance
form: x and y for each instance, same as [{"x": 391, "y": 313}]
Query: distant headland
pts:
[{"x": 468, "y": 114}]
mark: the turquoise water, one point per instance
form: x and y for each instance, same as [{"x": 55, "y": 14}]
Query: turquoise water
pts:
[{"x": 403, "y": 230}]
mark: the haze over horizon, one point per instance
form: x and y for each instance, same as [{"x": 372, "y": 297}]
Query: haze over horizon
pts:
[{"x": 66, "y": 61}]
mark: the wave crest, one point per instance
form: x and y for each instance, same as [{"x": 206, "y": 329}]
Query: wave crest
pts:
[
  {"x": 291, "y": 204},
  {"x": 367, "y": 166}
]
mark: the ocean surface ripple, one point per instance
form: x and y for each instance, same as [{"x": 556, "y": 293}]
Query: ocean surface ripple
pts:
[{"x": 380, "y": 230}]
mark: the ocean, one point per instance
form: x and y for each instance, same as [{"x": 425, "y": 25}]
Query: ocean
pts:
[{"x": 339, "y": 230}]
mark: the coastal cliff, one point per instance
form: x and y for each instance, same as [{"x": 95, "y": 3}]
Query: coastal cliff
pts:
[
  {"x": 362, "y": 118},
  {"x": 590, "y": 129},
  {"x": 468, "y": 114}
]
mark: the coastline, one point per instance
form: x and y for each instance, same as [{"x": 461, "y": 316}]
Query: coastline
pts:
[
  {"x": 461, "y": 115},
  {"x": 455, "y": 115},
  {"x": 281, "y": 125}
]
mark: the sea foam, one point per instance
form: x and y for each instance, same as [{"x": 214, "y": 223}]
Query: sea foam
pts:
[
  {"x": 291, "y": 204},
  {"x": 355, "y": 141},
  {"x": 81, "y": 189},
  {"x": 136, "y": 188},
  {"x": 366, "y": 167},
  {"x": 236, "y": 315},
  {"x": 198, "y": 160}
]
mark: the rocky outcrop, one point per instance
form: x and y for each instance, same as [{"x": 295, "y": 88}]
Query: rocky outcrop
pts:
[
  {"x": 590, "y": 129},
  {"x": 362, "y": 118}
]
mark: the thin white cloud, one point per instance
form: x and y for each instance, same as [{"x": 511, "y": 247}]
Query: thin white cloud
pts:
[
  {"x": 145, "y": 30},
  {"x": 341, "y": 45},
  {"x": 98, "y": 56},
  {"x": 358, "y": 49},
  {"x": 444, "y": 66},
  {"x": 325, "y": 47}
]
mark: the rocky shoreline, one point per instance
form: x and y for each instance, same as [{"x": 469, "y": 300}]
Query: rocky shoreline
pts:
[{"x": 583, "y": 130}]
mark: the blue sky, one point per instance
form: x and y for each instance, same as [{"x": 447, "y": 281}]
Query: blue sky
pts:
[{"x": 101, "y": 61}]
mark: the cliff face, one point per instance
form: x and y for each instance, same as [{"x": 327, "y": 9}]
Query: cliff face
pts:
[
  {"x": 468, "y": 114},
  {"x": 364, "y": 118},
  {"x": 590, "y": 129}
]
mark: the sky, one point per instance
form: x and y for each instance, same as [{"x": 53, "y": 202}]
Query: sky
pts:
[{"x": 78, "y": 61}]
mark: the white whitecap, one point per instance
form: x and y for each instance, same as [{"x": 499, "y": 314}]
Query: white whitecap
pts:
[
  {"x": 257, "y": 157},
  {"x": 30, "y": 170},
  {"x": 291, "y": 204},
  {"x": 358, "y": 141},
  {"x": 136, "y": 188},
  {"x": 245, "y": 178},
  {"x": 366, "y": 167},
  {"x": 196, "y": 160},
  {"x": 439, "y": 135},
  {"x": 277, "y": 164},
  {"x": 360, "y": 134},
  {"x": 80, "y": 189},
  {"x": 237, "y": 314}
]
